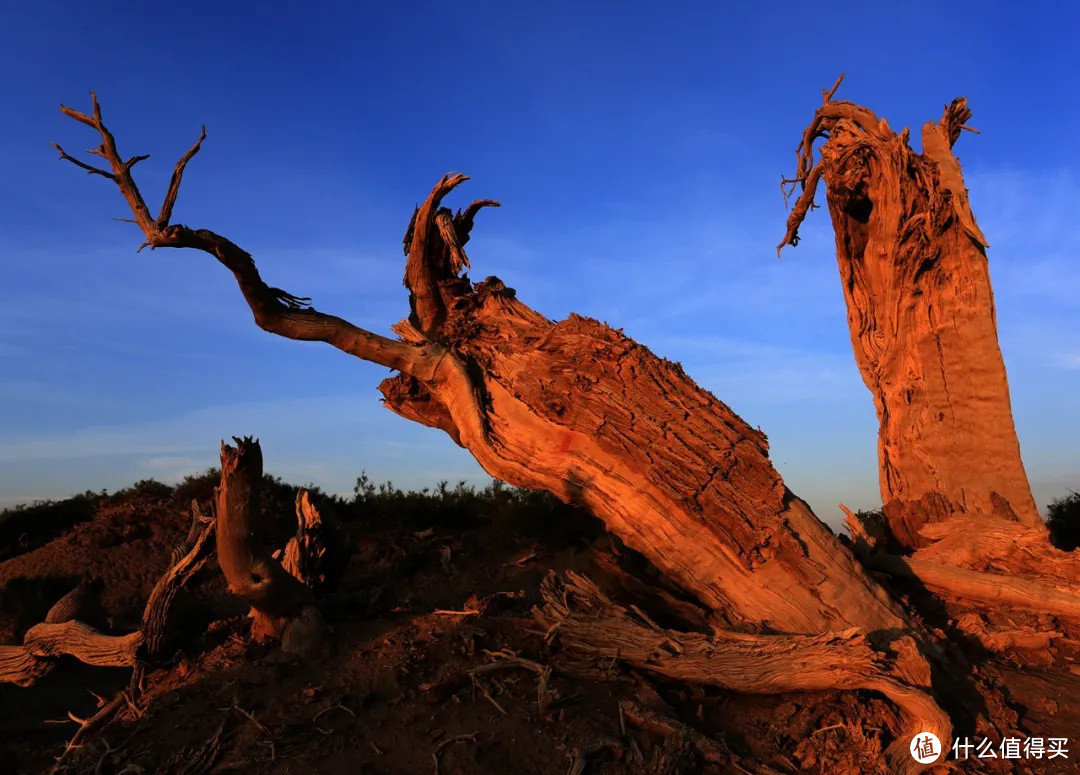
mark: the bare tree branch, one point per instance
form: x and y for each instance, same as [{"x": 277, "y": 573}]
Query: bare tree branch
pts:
[
  {"x": 174, "y": 182},
  {"x": 833, "y": 114},
  {"x": 274, "y": 310},
  {"x": 827, "y": 94},
  {"x": 463, "y": 221},
  {"x": 90, "y": 170}
]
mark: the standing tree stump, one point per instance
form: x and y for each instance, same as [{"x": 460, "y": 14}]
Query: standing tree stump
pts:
[
  {"x": 282, "y": 605},
  {"x": 921, "y": 314},
  {"x": 916, "y": 281}
]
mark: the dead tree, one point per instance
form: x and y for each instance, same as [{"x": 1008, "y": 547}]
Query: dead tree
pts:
[
  {"x": 576, "y": 613},
  {"x": 315, "y": 555},
  {"x": 580, "y": 410},
  {"x": 916, "y": 280},
  {"x": 921, "y": 313}
]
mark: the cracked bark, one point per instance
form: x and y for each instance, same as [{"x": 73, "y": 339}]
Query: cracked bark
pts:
[{"x": 916, "y": 281}]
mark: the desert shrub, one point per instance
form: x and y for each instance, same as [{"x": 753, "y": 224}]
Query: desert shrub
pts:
[
  {"x": 527, "y": 512},
  {"x": 531, "y": 512},
  {"x": 146, "y": 488},
  {"x": 442, "y": 504},
  {"x": 198, "y": 487},
  {"x": 1063, "y": 519}
]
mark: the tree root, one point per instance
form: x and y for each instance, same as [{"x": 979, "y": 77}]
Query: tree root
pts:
[
  {"x": 508, "y": 659},
  {"x": 61, "y": 634},
  {"x": 1026, "y": 594},
  {"x": 973, "y": 559},
  {"x": 589, "y": 625},
  {"x": 712, "y": 751},
  {"x": 436, "y": 755},
  {"x": 88, "y": 726}
]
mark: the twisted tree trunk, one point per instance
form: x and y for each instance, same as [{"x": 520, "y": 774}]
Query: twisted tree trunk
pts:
[{"x": 921, "y": 315}]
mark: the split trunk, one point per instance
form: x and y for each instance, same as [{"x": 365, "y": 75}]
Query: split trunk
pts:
[{"x": 916, "y": 280}]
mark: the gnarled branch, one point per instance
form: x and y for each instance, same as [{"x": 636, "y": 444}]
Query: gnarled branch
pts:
[
  {"x": 187, "y": 559},
  {"x": 275, "y": 311},
  {"x": 62, "y": 634},
  {"x": 434, "y": 243},
  {"x": 832, "y": 116}
]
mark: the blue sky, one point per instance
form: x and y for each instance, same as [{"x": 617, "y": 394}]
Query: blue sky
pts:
[{"x": 636, "y": 147}]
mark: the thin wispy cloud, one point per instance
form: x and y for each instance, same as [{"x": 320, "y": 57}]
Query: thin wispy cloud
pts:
[{"x": 638, "y": 188}]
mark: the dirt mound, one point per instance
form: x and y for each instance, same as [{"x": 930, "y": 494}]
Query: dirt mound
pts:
[{"x": 433, "y": 663}]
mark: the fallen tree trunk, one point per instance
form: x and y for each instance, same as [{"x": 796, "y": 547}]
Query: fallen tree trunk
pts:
[
  {"x": 18, "y": 666},
  {"x": 571, "y": 407},
  {"x": 82, "y": 642},
  {"x": 582, "y": 619},
  {"x": 61, "y": 634}
]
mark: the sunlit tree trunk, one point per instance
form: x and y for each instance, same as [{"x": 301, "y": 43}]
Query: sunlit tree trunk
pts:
[{"x": 915, "y": 277}]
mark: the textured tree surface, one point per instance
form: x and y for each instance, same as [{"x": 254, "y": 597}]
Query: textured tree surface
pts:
[
  {"x": 578, "y": 409},
  {"x": 916, "y": 280},
  {"x": 318, "y": 553},
  {"x": 920, "y": 307},
  {"x": 571, "y": 407},
  {"x": 582, "y": 618}
]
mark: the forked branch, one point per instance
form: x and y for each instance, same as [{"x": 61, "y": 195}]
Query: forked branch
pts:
[
  {"x": 434, "y": 244},
  {"x": 174, "y": 182},
  {"x": 274, "y": 310},
  {"x": 861, "y": 126}
]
